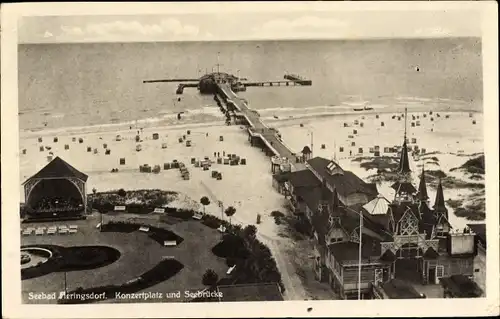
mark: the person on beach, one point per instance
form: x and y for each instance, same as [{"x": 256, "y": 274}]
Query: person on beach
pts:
[
  {"x": 350, "y": 153},
  {"x": 215, "y": 154},
  {"x": 218, "y": 154}
]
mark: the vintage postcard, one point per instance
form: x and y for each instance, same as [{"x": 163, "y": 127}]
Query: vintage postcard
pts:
[{"x": 250, "y": 159}]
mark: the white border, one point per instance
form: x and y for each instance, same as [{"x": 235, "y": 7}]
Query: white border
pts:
[{"x": 11, "y": 297}]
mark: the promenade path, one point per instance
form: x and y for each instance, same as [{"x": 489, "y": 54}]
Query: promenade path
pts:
[{"x": 260, "y": 129}]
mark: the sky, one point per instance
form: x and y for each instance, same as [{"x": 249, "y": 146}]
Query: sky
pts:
[{"x": 224, "y": 25}]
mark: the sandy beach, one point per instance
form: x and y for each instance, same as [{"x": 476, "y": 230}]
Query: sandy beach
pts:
[{"x": 248, "y": 187}]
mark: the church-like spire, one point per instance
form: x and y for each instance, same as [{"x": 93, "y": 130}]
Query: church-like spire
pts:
[
  {"x": 422, "y": 188},
  {"x": 439, "y": 205},
  {"x": 404, "y": 162}
]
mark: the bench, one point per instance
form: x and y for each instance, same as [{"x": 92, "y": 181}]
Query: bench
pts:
[
  {"x": 170, "y": 243},
  {"x": 230, "y": 270},
  {"x": 197, "y": 216},
  {"x": 144, "y": 229},
  {"x": 51, "y": 232},
  {"x": 72, "y": 231},
  {"x": 73, "y": 227},
  {"x": 221, "y": 229},
  {"x": 63, "y": 231}
]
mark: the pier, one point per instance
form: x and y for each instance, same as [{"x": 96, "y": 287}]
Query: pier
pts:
[{"x": 258, "y": 130}]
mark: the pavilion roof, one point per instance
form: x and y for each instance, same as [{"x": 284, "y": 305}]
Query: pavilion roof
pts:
[{"x": 58, "y": 168}]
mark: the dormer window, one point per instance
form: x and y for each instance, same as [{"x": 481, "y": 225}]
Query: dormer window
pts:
[{"x": 334, "y": 169}]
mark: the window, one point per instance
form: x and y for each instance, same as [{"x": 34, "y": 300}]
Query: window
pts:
[
  {"x": 334, "y": 240},
  {"x": 408, "y": 225}
]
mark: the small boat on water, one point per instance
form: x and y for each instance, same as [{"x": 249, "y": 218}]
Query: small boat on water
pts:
[{"x": 365, "y": 108}]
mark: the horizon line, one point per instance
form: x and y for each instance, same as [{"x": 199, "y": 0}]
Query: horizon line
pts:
[{"x": 262, "y": 40}]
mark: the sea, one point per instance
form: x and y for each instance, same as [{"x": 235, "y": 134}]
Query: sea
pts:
[{"x": 98, "y": 84}]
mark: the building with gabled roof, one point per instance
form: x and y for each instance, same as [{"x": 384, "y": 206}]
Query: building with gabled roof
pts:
[
  {"x": 424, "y": 247},
  {"x": 57, "y": 180},
  {"x": 406, "y": 238}
]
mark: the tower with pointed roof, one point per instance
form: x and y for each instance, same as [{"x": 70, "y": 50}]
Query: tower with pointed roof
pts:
[
  {"x": 404, "y": 190},
  {"x": 441, "y": 212},
  {"x": 422, "y": 188}
]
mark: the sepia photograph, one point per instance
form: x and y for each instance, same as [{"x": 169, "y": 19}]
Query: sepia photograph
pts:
[{"x": 251, "y": 153}]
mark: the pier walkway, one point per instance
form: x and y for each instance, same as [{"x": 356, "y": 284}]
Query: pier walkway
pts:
[{"x": 258, "y": 128}]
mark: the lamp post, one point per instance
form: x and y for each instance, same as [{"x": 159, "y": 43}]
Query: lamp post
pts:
[
  {"x": 312, "y": 139},
  {"x": 360, "y": 256}
]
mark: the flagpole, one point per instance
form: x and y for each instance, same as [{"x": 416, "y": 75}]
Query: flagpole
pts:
[{"x": 360, "y": 255}]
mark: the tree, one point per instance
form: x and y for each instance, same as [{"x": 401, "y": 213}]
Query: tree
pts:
[
  {"x": 249, "y": 232},
  {"x": 210, "y": 278},
  {"x": 230, "y": 211},
  {"x": 122, "y": 192},
  {"x": 204, "y": 201}
]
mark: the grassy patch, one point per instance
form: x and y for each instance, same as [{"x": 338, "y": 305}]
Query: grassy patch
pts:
[
  {"x": 454, "y": 203},
  {"x": 164, "y": 270},
  {"x": 470, "y": 214},
  {"x": 381, "y": 163},
  {"x": 453, "y": 182},
  {"x": 435, "y": 173},
  {"x": 278, "y": 216},
  {"x": 473, "y": 166}
]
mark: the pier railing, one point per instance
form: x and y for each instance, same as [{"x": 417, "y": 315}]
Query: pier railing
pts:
[{"x": 258, "y": 128}]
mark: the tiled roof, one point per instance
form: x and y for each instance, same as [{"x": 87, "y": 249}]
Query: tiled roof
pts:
[
  {"x": 346, "y": 184},
  {"x": 303, "y": 178},
  {"x": 377, "y": 206},
  {"x": 461, "y": 286},
  {"x": 398, "y": 289},
  {"x": 282, "y": 177},
  {"x": 58, "y": 168},
  {"x": 480, "y": 230},
  {"x": 349, "y": 251}
]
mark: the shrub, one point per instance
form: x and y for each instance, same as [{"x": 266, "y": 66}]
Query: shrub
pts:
[
  {"x": 184, "y": 214},
  {"x": 211, "y": 221},
  {"x": 277, "y": 213},
  {"x": 231, "y": 246},
  {"x": 122, "y": 192},
  {"x": 210, "y": 278}
]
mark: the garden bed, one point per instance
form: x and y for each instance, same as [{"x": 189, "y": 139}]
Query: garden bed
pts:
[
  {"x": 164, "y": 270},
  {"x": 71, "y": 259}
]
